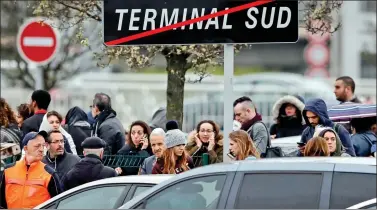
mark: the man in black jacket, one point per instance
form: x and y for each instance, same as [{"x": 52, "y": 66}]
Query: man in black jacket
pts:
[
  {"x": 56, "y": 157},
  {"x": 40, "y": 100},
  {"x": 107, "y": 126},
  {"x": 90, "y": 168}
]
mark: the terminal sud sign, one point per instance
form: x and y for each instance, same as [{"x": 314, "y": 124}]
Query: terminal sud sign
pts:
[{"x": 169, "y": 22}]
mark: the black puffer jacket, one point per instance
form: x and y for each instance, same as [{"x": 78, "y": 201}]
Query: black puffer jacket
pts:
[
  {"x": 89, "y": 169},
  {"x": 111, "y": 130},
  {"x": 76, "y": 124}
]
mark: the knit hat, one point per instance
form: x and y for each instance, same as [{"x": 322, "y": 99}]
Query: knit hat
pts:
[{"x": 174, "y": 138}]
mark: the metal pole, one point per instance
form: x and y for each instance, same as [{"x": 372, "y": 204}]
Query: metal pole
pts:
[
  {"x": 228, "y": 96},
  {"x": 39, "y": 83}
]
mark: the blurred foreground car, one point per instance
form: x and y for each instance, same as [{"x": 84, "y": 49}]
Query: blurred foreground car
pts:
[
  {"x": 103, "y": 194},
  {"x": 276, "y": 183}
]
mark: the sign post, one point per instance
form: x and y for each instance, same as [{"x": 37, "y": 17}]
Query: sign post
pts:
[
  {"x": 228, "y": 96},
  {"x": 182, "y": 22},
  {"x": 37, "y": 44}
]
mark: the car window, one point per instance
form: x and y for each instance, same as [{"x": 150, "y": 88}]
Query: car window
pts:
[
  {"x": 140, "y": 189},
  {"x": 349, "y": 189},
  {"x": 197, "y": 193},
  {"x": 279, "y": 191},
  {"x": 95, "y": 198}
]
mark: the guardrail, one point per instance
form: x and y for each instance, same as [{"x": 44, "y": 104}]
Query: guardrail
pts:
[
  {"x": 124, "y": 161},
  {"x": 132, "y": 161}
]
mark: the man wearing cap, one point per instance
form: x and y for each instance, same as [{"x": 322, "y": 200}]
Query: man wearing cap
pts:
[
  {"x": 29, "y": 182},
  {"x": 90, "y": 168}
]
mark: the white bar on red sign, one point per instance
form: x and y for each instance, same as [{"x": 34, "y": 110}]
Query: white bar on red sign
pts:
[{"x": 38, "y": 42}]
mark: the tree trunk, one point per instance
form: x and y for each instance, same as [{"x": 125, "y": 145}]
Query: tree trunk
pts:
[{"x": 176, "y": 68}]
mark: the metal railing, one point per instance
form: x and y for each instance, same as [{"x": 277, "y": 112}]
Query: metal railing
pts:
[{"x": 132, "y": 161}]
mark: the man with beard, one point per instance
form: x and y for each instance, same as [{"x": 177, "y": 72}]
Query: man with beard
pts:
[
  {"x": 56, "y": 157},
  {"x": 157, "y": 141},
  {"x": 315, "y": 113},
  {"x": 345, "y": 90},
  {"x": 29, "y": 182},
  {"x": 251, "y": 121}
]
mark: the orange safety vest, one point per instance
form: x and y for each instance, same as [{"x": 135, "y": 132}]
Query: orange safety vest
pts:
[{"x": 26, "y": 188}]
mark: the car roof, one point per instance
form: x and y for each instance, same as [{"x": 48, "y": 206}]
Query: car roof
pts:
[{"x": 133, "y": 179}]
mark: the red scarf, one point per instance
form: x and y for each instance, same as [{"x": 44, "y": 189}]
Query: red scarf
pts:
[{"x": 41, "y": 111}]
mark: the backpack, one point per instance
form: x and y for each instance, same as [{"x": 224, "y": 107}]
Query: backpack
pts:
[{"x": 271, "y": 152}]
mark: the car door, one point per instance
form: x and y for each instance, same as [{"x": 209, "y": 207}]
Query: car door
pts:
[
  {"x": 350, "y": 188},
  {"x": 199, "y": 192},
  {"x": 277, "y": 190},
  {"x": 108, "y": 196}
]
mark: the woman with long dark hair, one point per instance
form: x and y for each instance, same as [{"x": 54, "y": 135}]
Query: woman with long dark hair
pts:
[
  {"x": 205, "y": 139},
  {"x": 174, "y": 160},
  {"x": 137, "y": 145},
  {"x": 23, "y": 112},
  {"x": 10, "y": 133}
]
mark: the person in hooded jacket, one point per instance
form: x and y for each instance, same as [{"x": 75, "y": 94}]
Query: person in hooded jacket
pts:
[
  {"x": 287, "y": 114},
  {"x": 137, "y": 145},
  {"x": 315, "y": 113},
  {"x": 91, "y": 167},
  {"x": 52, "y": 121},
  {"x": 107, "y": 125},
  {"x": 336, "y": 148},
  {"x": 76, "y": 124}
]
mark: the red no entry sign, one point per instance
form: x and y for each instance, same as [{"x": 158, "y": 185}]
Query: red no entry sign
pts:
[{"x": 37, "y": 42}]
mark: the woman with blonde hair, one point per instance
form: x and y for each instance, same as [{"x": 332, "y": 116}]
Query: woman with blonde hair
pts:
[
  {"x": 316, "y": 147},
  {"x": 174, "y": 160},
  {"x": 241, "y": 146}
]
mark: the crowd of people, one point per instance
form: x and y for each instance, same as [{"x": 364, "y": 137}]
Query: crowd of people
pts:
[{"x": 60, "y": 153}]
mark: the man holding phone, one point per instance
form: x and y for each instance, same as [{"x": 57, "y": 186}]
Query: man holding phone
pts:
[{"x": 157, "y": 141}]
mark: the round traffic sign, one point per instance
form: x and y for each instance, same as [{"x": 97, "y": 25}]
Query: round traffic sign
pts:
[
  {"x": 37, "y": 42},
  {"x": 317, "y": 55},
  {"x": 317, "y": 73}
]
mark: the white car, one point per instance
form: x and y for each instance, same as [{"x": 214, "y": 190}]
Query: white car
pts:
[
  {"x": 287, "y": 144},
  {"x": 108, "y": 193},
  {"x": 369, "y": 204}
]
